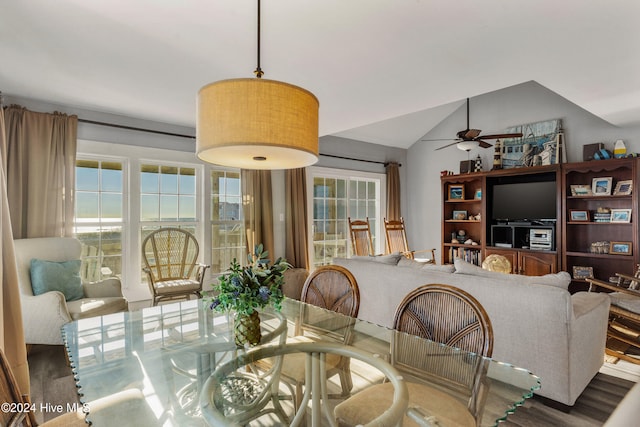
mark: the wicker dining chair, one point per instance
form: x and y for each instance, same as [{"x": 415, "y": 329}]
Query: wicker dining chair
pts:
[
  {"x": 334, "y": 288},
  {"x": 444, "y": 314},
  {"x": 119, "y": 406},
  {"x": 396, "y": 236},
  {"x": 361, "y": 241},
  {"x": 171, "y": 262}
]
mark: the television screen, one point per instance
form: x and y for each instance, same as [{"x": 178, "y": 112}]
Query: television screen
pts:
[{"x": 524, "y": 201}]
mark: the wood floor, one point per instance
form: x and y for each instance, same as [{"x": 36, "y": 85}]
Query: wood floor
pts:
[{"x": 52, "y": 382}]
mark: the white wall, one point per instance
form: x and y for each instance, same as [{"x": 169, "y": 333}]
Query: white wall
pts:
[{"x": 493, "y": 113}]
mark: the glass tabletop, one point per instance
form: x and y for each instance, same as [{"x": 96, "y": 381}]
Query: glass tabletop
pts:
[{"x": 167, "y": 352}]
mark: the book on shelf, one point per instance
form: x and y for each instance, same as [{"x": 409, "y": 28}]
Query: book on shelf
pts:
[
  {"x": 602, "y": 217},
  {"x": 469, "y": 255}
]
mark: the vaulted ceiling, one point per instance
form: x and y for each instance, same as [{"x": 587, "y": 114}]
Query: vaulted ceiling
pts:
[{"x": 385, "y": 71}]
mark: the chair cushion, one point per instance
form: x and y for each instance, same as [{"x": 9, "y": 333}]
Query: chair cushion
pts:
[
  {"x": 371, "y": 402},
  {"x": 90, "y": 307},
  {"x": 176, "y": 286},
  {"x": 47, "y": 276}
]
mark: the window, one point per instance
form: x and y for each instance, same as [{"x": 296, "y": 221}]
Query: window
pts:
[
  {"x": 227, "y": 225},
  {"x": 338, "y": 195},
  {"x": 99, "y": 217}
]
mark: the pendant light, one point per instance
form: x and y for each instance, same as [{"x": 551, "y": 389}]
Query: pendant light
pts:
[{"x": 255, "y": 123}]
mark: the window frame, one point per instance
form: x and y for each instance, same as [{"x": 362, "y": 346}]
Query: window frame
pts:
[{"x": 325, "y": 172}]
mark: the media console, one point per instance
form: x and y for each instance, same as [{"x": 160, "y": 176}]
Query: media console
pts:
[{"x": 524, "y": 235}]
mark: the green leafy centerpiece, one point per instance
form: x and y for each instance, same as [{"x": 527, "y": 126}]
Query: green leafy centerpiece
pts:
[{"x": 244, "y": 290}]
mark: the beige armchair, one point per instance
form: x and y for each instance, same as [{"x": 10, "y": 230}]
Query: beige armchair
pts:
[{"x": 43, "y": 315}]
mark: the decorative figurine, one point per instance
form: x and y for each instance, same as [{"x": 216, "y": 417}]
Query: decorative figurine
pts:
[
  {"x": 478, "y": 166},
  {"x": 619, "y": 149},
  {"x": 497, "y": 155}
]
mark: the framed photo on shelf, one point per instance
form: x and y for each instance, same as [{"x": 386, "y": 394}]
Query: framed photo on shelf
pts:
[
  {"x": 460, "y": 215},
  {"x": 623, "y": 188},
  {"x": 478, "y": 194},
  {"x": 576, "y": 215},
  {"x": 582, "y": 272},
  {"x": 620, "y": 248},
  {"x": 456, "y": 192},
  {"x": 620, "y": 215},
  {"x": 580, "y": 190},
  {"x": 601, "y": 186}
]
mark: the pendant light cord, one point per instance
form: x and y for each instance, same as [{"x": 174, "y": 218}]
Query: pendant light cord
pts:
[{"x": 258, "y": 72}]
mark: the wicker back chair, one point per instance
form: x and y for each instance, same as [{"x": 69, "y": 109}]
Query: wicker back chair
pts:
[
  {"x": 361, "y": 241},
  {"x": 444, "y": 314},
  {"x": 334, "y": 288},
  {"x": 170, "y": 260},
  {"x": 396, "y": 237},
  {"x": 447, "y": 315},
  {"x": 118, "y": 407}
]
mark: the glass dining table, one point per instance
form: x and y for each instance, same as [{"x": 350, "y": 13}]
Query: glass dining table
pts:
[{"x": 168, "y": 352}]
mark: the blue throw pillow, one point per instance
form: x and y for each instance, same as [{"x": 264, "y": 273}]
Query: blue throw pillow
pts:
[{"x": 64, "y": 276}]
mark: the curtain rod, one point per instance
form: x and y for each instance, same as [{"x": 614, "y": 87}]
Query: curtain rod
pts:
[
  {"x": 160, "y": 132},
  {"x": 358, "y": 160},
  {"x": 113, "y": 125}
]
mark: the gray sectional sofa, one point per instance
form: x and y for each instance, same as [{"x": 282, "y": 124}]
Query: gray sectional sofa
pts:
[{"x": 537, "y": 323}]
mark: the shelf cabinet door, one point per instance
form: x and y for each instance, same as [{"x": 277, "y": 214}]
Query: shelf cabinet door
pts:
[
  {"x": 537, "y": 263},
  {"x": 528, "y": 263}
]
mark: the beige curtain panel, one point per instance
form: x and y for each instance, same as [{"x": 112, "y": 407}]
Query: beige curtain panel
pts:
[
  {"x": 40, "y": 169},
  {"x": 393, "y": 191},
  {"x": 257, "y": 205},
  {"x": 11, "y": 331},
  {"x": 297, "y": 248}
]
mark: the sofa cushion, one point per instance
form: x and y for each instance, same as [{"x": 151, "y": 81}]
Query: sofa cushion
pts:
[
  {"x": 560, "y": 280},
  {"x": 47, "y": 276},
  {"x": 391, "y": 259},
  {"x": 445, "y": 268}
]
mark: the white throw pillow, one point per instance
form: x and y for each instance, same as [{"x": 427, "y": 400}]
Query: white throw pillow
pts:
[
  {"x": 391, "y": 259},
  {"x": 559, "y": 280}
]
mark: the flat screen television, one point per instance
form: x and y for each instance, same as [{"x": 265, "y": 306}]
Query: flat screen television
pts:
[{"x": 524, "y": 201}]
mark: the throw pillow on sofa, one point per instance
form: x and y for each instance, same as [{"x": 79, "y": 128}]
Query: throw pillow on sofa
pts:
[
  {"x": 559, "y": 280},
  {"x": 63, "y": 276},
  {"x": 391, "y": 259}
]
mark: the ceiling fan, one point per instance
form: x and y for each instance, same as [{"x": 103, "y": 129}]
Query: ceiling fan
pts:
[{"x": 468, "y": 137}]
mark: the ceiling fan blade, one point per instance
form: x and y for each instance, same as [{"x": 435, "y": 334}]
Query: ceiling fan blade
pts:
[
  {"x": 483, "y": 144},
  {"x": 443, "y": 139},
  {"x": 448, "y": 145},
  {"x": 502, "y": 136},
  {"x": 471, "y": 133}
]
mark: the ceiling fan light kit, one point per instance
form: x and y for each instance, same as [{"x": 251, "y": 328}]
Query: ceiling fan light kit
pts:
[{"x": 251, "y": 123}]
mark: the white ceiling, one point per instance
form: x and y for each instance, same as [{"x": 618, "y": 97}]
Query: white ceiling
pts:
[{"x": 385, "y": 71}]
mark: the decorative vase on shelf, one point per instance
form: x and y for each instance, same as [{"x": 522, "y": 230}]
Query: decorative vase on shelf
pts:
[{"x": 246, "y": 328}]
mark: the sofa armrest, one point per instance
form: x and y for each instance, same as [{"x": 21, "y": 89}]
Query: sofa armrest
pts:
[
  {"x": 627, "y": 412},
  {"x": 42, "y": 317},
  {"x": 111, "y": 287}
]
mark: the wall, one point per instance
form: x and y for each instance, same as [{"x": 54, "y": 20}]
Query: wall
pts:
[{"x": 493, "y": 113}]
